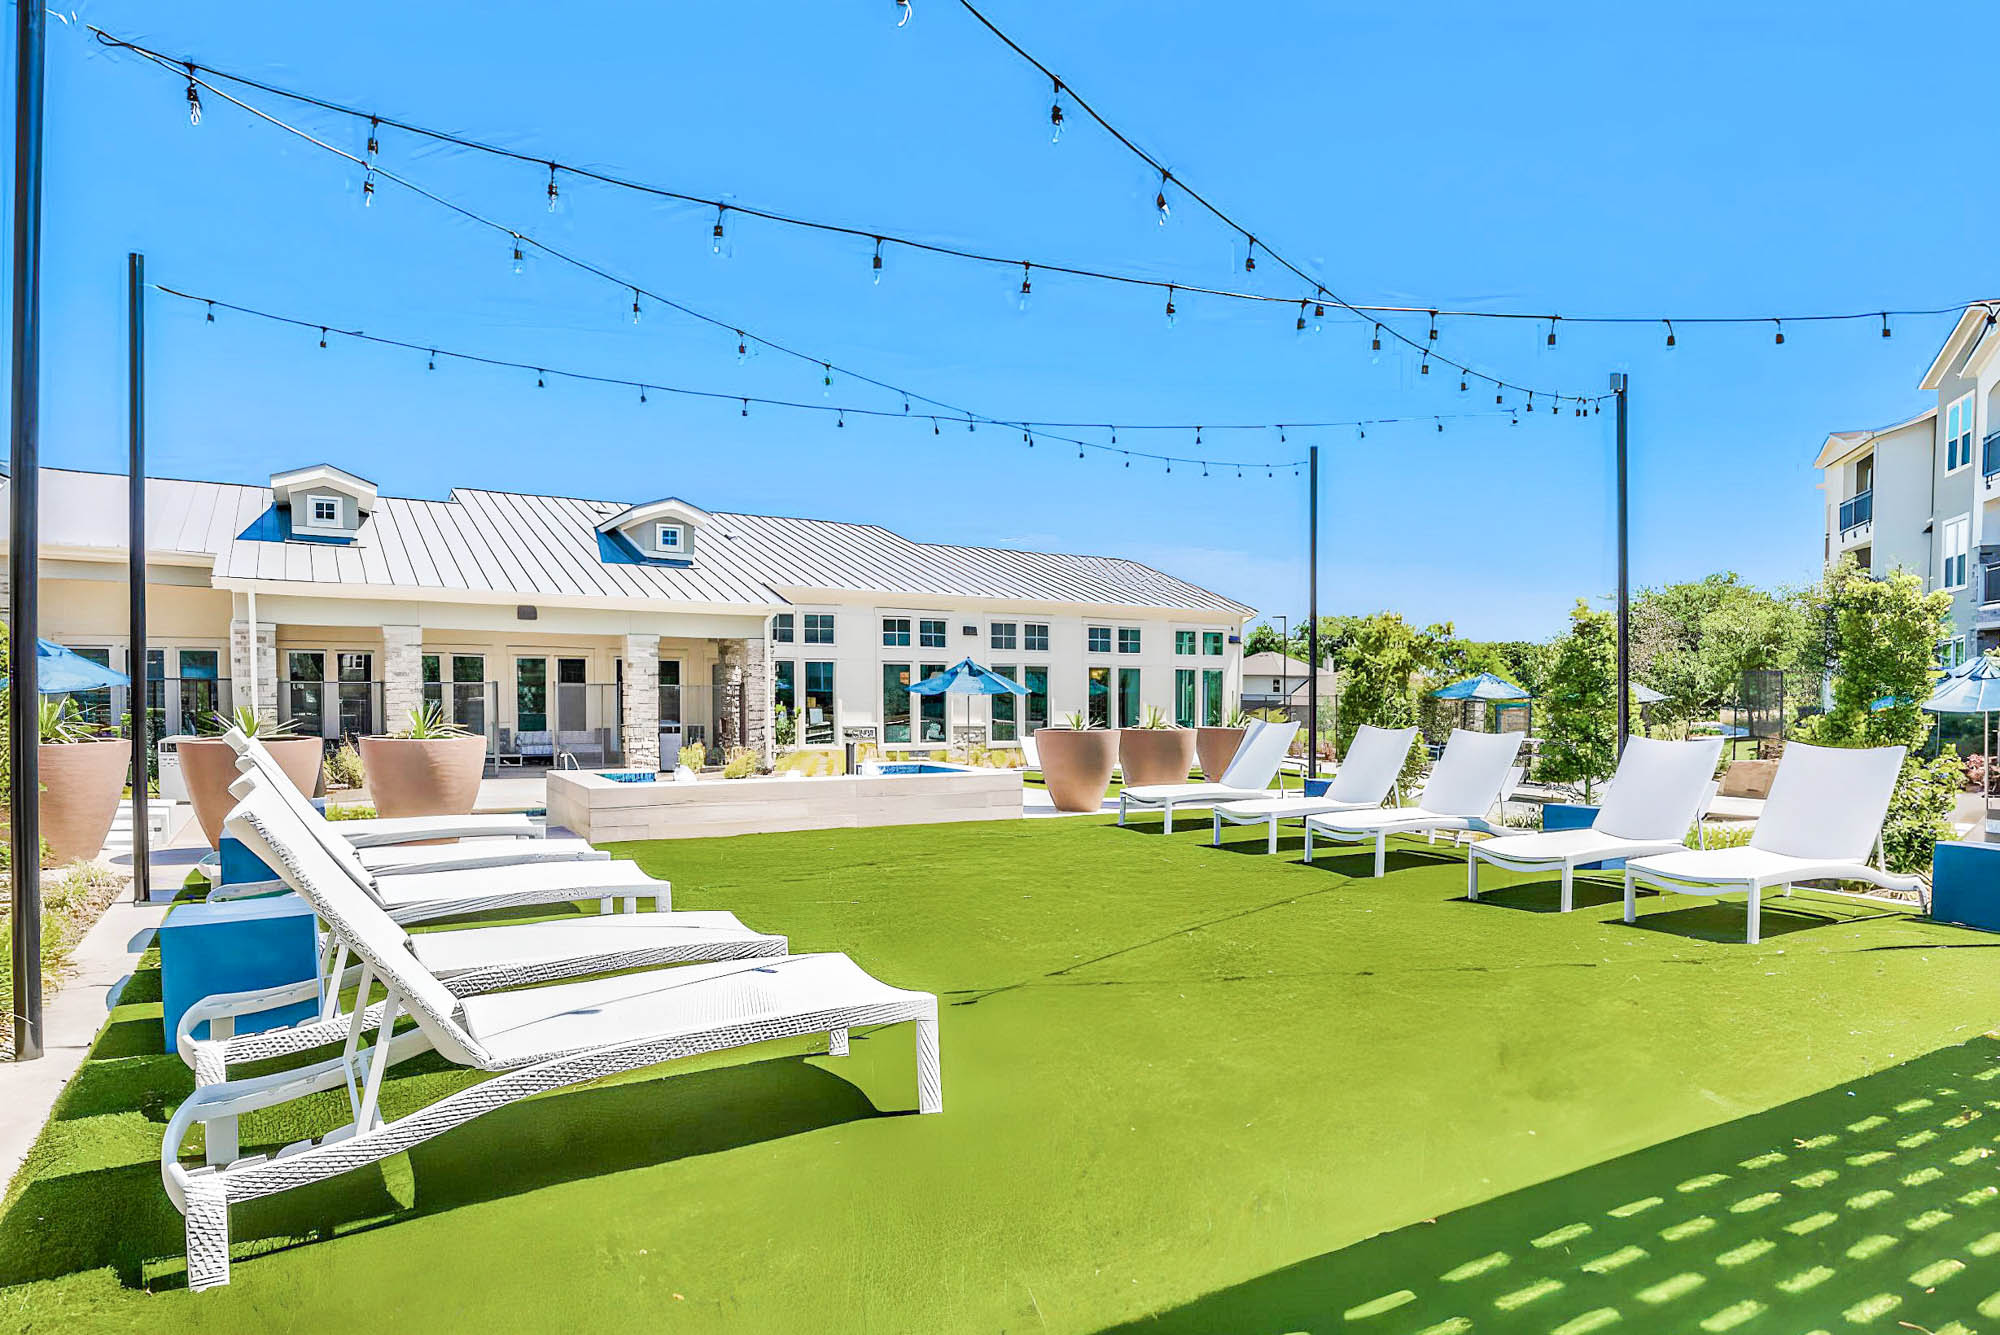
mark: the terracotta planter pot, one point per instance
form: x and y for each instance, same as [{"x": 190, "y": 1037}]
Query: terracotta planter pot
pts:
[
  {"x": 1216, "y": 747},
  {"x": 1077, "y": 765},
  {"x": 1155, "y": 755},
  {"x": 433, "y": 776},
  {"x": 208, "y": 767},
  {"x": 82, "y": 782}
]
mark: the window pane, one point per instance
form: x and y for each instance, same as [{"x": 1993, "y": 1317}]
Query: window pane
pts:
[
  {"x": 468, "y": 667},
  {"x": 355, "y": 667},
  {"x": 781, "y": 628},
  {"x": 1005, "y": 707},
  {"x": 531, "y": 694},
  {"x": 1003, "y": 635},
  {"x": 1036, "y": 702},
  {"x": 895, "y": 702},
  {"x": 1211, "y": 642},
  {"x": 1128, "y": 697},
  {"x": 896, "y": 631},
  {"x": 1184, "y": 712},
  {"x": 931, "y": 634},
  {"x": 784, "y": 688},
  {"x": 931, "y": 711},
  {"x": 1037, "y": 633},
  {"x": 1128, "y": 639},
  {"x": 817, "y": 706},
  {"x": 1100, "y": 696},
  {"x": 1099, "y": 641},
  {"x": 1184, "y": 642},
  {"x": 819, "y": 628},
  {"x": 1211, "y": 698},
  {"x": 433, "y": 668},
  {"x": 305, "y": 666}
]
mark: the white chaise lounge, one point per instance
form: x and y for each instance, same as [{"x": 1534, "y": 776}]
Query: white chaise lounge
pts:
[
  {"x": 421, "y": 896},
  {"x": 1247, "y": 777},
  {"x": 1658, "y": 792},
  {"x": 497, "y": 840},
  {"x": 469, "y": 961},
  {"x": 1824, "y": 814},
  {"x": 1468, "y": 781},
  {"x": 534, "y": 1041},
  {"x": 1374, "y": 758}
]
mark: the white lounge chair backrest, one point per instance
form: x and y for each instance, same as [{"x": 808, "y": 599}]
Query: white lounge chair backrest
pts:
[
  {"x": 1374, "y": 758},
  {"x": 1031, "y": 757},
  {"x": 1471, "y": 774},
  {"x": 271, "y": 832},
  {"x": 1259, "y": 755},
  {"x": 316, "y": 826},
  {"x": 1659, "y": 789},
  {"x": 1828, "y": 803}
]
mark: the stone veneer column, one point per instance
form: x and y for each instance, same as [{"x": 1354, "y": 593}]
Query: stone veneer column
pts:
[
  {"x": 729, "y": 707},
  {"x": 757, "y": 699},
  {"x": 402, "y": 675},
  {"x": 266, "y": 650},
  {"x": 641, "y": 702}
]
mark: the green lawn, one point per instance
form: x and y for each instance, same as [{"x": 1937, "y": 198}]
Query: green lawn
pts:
[{"x": 1211, "y": 1087}]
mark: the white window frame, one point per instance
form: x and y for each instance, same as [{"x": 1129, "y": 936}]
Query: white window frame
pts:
[
  {"x": 678, "y": 547},
  {"x": 1960, "y": 409},
  {"x": 312, "y": 510},
  {"x": 1956, "y": 546}
]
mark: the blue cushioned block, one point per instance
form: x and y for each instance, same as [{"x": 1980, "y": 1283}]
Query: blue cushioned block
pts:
[
  {"x": 1318, "y": 787},
  {"x": 1965, "y": 884},
  {"x": 236, "y": 946},
  {"x": 240, "y": 865},
  {"x": 1577, "y": 816}
]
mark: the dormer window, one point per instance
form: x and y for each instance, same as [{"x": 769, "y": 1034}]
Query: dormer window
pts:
[
  {"x": 665, "y": 530},
  {"x": 321, "y": 503},
  {"x": 324, "y": 511},
  {"x": 668, "y": 539}
]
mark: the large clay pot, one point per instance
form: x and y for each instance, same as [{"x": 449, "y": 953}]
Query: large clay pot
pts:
[
  {"x": 1216, "y": 747},
  {"x": 1077, "y": 765},
  {"x": 430, "y": 776},
  {"x": 1155, "y": 755},
  {"x": 208, "y": 767},
  {"x": 81, "y": 785}
]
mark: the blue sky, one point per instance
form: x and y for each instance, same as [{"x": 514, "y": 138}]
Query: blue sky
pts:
[{"x": 1702, "y": 158}]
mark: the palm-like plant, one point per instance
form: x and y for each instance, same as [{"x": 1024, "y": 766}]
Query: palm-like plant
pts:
[
  {"x": 429, "y": 724},
  {"x": 249, "y": 722},
  {"x": 61, "y": 722}
]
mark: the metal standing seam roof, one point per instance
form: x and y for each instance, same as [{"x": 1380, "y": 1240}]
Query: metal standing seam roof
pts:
[{"x": 497, "y": 542}]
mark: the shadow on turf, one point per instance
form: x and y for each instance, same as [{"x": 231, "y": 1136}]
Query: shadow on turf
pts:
[
  {"x": 121, "y": 1218},
  {"x": 1870, "y": 1203}
]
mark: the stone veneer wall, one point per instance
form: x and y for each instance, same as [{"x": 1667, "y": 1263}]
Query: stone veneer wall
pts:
[
  {"x": 266, "y": 649},
  {"x": 402, "y": 675},
  {"x": 641, "y": 702}
]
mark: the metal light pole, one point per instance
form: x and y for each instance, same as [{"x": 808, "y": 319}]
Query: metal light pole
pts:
[
  {"x": 1312, "y": 611},
  {"x": 1284, "y": 662},
  {"x": 1619, "y": 387},
  {"x": 23, "y": 699},
  {"x": 135, "y": 508}
]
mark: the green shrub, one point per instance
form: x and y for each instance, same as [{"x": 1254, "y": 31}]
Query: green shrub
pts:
[
  {"x": 740, "y": 764},
  {"x": 693, "y": 756},
  {"x": 342, "y": 768},
  {"x": 1920, "y": 812},
  {"x": 359, "y": 811}
]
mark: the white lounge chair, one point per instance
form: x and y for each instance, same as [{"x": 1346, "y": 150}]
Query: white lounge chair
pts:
[
  {"x": 422, "y": 896},
  {"x": 1824, "y": 814},
  {"x": 1247, "y": 778},
  {"x": 1468, "y": 781},
  {"x": 405, "y": 860},
  {"x": 534, "y": 1041},
  {"x": 1031, "y": 757},
  {"x": 469, "y": 961},
  {"x": 1374, "y": 760},
  {"x": 377, "y": 831},
  {"x": 1658, "y": 792}
]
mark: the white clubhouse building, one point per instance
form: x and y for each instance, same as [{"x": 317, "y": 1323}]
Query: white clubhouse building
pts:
[{"x": 603, "y": 630}]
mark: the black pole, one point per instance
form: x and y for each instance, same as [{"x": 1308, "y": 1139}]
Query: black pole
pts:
[
  {"x": 1312, "y": 611},
  {"x": 23, "y": 699},
  {"x": 1619, "y": 388},
  {"x": 135, "y": 506}
]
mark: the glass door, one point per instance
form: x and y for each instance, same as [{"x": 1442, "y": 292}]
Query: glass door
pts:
[
  {"x": 895, "y": 702},
  {"x": 1128, "y": 697},
  {"x": 531, "y": 695},
  {"x": 357, "y": 694},
  {"x": 1100, "y": 697},
  {"x": 572, "y": 696},
  {"x": 303, "y": 702},
  {"x": 1211, "y": 698},
  {"x": 931, "y": 715},
  {"x": 1036, "y": 702}
]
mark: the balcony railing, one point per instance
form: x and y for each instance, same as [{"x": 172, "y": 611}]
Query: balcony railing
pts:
[
  {"x": 1989, "y": 454},
  {"x": 1857, "y": 510}
]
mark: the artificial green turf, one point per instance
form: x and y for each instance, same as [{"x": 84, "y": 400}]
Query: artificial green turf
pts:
[{"x": 1180, "y": 1082}]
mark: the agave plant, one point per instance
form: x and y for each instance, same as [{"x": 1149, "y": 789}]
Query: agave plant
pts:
[
  {"x": 1236, "y": 718},
  {"x": 1155, "y": 720},
  {"x": 249, "y": 722},
  {"x": 1076, "y": 720},
  {"x": 61, "y": 722},
  {"x": 429, "y": 724}
]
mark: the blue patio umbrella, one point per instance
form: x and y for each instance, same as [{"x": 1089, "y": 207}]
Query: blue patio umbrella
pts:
[
  {"x": 966, "y": 677},
  {"x": 1485, "y": 686},
  {"x": 59, "y": 671},
  {"x": 1973, "y": 687}
]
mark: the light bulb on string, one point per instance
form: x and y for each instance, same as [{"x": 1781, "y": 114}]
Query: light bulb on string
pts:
[
  {"x": 1552, "y": 331},
  {"x": 1056, "y": 114},
  {"x": 1128, "y": 458},
  {"x": 555, "y": 194},
  {"x": 1499, "y": 398},
  {"x": 1197, "y": 437},
  {"x": 1463, "y": 385},
  {"x": 1531, "y": 400},
  {"x": 840, "y": 417},
  {"x": 1250, "y": 256},
  {"x": 1079, "y": 451},
  {"x": 1780, "y": 339},
  {"x": 635, "y": 305},
  {"x": 539, "y": 382},
  {"x": 374, "y": 147},
  {"x": 1170, "y": 306},
  {"x": 1670, "y": 332},
  {"x": 1160, "y": 199},
  {"x": 1319, "y": 310},
  {"x": 211, "y": 312},
  {"x": 1360, "y": 432},
  {"x": 1375, "y": 347},
  {"x": 1204, "y": 468},
  {"x": 1885, "y": 324},
  {"x": 432, "y": 364},
  {"x": 193, "y": 99},
  {"x": 716, "y": 234},
  {"x": 742, "y": 348},
  {"x": 934, "y": 427},
  {"x": 969, "y": 427},
  {"x": 906, "y": 405},
  {"x": 322, "y": 336},
  {"x": 746, "y": 408},
  {"x": 1027, "y": 286},
  {"x": 1114, "y": 435},
  {"x": 1440, "y": 424},
  {"x": 878, "y": 262},
  {"x": 826, "y": 380},
  {"x": 642, "y": 393},
  {"x": 1433, "y": 337},
  {"x": 1424, "y": 366},
  {"x": 517, "y": 254},
  {"x": 1300, "y": 327}
]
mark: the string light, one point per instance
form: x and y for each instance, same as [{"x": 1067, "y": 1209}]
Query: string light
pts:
[
  {"x": 1670, "y": 333},
  {"x": 1160, "y": 199},
  {"x": 517, "y": 253},
  {"x": 826, "y": 380},
  {"x": 1170, "y": 308},
  {"x": 1424, "y": 366},
  {"x": 1055, "y": 114},
  {"x": 322, "y": 336},
  {"x": 1375, "y": 344},
  {"x": 1434, "y": 327},
  {"x": 555, "y": 195},
  {"x": 539, "y": 382},
  {"x": 432, "y": 363},
  {"x": 1885, "y": 324},
  {"x": 1440, "y": 425},
  {"x": 746, "y": 407},
  {"x": 195, "y": 72},
  {"x": 1780, "y": 339},
  {"x": 1300, "y": 327},
  {"x": 1026, "y": 288},
  {"x": 642, "y": 393},
  {"x": 878, "y": 261},
  {"x": 742, "y": 348},
  {"x": 1250, "y": 257},
  {"x": 840, "y": 418},
  {"x": 211, "y": 312},
  {"x": 934, "y": 427},
  {"x": 635, "y": 305},
  {"x": 715, "y": 232},
  {"x": 374, "y": 147},
  {"x": 1552, "y": 330}
]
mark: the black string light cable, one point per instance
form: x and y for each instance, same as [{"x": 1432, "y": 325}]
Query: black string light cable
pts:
[
  {"x": 1037, "y": 430},
  {"x": 1315, "y": 302}
]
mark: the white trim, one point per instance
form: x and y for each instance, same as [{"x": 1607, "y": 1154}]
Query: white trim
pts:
[
  {"x": 678, "y": 547},
  {"x": 313, "y": 520},
  {"x": 1964, "y": 406},
  {"x": 1963, "y": 554}
]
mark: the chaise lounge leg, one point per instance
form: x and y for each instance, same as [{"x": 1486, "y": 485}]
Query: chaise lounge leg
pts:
[
  {"x": 1271, "y": 840},
  {"x": 1167, "y": 819},
  {"x": 1217, "y": 841},
  {"x": 1309, "y": 842},
  {"x": 1381, "y": 852},
  {"x": 1631, "y": 898},
  {"x": 207, "y": 1232},
  {"x": 1567, "y": 900},
  {"x": 1471, "y": 877},
  {"x": 1756, "y": 928},
  {"x": 836, "y": 1043},
  {"x": 930, "y": 1080},
  {"x": 1121, "y": 808}
]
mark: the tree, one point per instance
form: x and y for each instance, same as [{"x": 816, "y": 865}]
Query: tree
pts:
[
  {"x": 1693, "y": 643},
  {"x": 1382, "y": 661},
  {"x": 1880, "y": 644},
  {"x": 1579, "y": 710}
]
